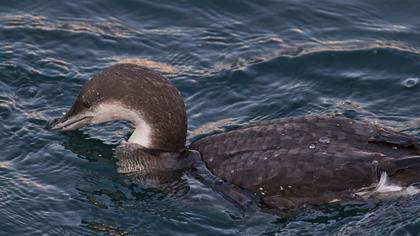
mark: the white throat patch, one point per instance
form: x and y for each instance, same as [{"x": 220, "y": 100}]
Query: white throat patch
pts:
[
  {"x": 116, "y": 111},
  {"x": 141, "y": 134}
]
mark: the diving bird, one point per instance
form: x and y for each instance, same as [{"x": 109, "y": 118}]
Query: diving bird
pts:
[{"x": 284, "y": 163}]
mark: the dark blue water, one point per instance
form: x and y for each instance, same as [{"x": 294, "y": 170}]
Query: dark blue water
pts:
[{"x": 234, "y": 62}]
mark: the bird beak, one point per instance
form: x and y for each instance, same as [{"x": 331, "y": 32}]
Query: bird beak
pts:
[{"x": 67, "y": 123}]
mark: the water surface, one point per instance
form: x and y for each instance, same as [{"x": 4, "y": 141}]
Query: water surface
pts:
[{"x": 234, "y": 62}]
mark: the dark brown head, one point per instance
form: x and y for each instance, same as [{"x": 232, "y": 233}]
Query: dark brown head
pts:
[{"x": 133, "y": 93}]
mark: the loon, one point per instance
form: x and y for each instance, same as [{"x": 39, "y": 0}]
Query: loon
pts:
[{"x": 285, "y": 163}]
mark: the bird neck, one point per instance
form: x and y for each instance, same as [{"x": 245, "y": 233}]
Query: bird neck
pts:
[{"x": 142, "y": 134}]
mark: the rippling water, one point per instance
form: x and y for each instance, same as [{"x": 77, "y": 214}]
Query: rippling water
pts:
[{"x": 234, "y": 62}]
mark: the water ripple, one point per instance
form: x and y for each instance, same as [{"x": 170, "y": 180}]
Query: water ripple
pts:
[
  {"x": 234, "y": 62},
  {"x": 104, "y": 28}
]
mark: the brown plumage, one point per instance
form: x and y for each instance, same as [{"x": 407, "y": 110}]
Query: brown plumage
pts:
[{"x": 311, "y": 159}]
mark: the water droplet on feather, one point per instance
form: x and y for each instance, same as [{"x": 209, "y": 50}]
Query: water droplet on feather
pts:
[{"x": 324, "y": 140}]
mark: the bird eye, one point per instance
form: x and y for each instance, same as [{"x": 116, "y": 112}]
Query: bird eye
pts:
[{"x": 86, "y": 104}]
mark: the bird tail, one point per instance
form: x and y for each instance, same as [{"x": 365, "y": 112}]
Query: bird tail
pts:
[{"x": 404, "y": 171}]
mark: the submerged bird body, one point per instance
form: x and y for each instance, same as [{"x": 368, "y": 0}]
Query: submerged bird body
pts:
[{"x": 287, "y": 162}]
